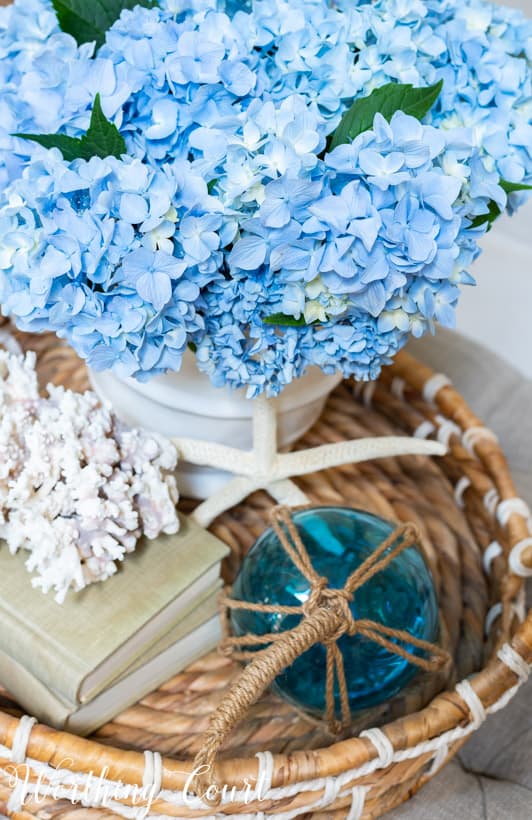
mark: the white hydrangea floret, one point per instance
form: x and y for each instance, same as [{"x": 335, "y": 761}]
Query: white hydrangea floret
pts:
[{"x": 77, "y": 487}]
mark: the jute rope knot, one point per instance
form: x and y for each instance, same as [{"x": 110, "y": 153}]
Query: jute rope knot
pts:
[
  {"x": 339, "y": 601},
  {"x": 325, "y": 617}
]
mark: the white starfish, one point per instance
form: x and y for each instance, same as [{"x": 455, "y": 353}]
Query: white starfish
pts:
[{"x": 265, "y": 468}]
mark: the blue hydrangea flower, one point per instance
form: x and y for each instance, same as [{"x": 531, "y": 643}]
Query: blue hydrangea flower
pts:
[
  {"x": 229, "y": 207},
  {"x": 78, "y": 258}
]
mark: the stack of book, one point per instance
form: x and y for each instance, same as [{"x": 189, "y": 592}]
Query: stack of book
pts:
[{"x": 77, "y": 665}]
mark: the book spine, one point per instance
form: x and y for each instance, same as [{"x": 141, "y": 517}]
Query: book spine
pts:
[
  {"x": 36, "y": 651},
  {"x": 33, "y": 695}
]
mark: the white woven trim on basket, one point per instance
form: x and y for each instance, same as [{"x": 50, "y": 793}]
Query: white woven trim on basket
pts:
[
  {"x": 515, "y": 662},
  {"x": 89, "y": 791},
  {"x": 515, "y": 562},
  {"x": 491, "y": 501},
  {"x": 491, "y": 552},
  {"x": 50, "y": 786},
  {"x": 438, "y": 760},
  {"x": 265, "y": 775},
  {"x": 95, "y": 796},
  {"x": 513, "y": 506},
  {"x": 432, "y": 387},
  {"x": 358, "y": 800},
  {"x": 446, "y": 429},
  {"x": 331, "y": 791},
  {"x": 17, "y": 755},
  {"x": 473, "y": 702},
  {"x": 425, "y": 429},
  {"x": 397, "y": 388},
  {"x": 474, "y": 435},
  {"x": 462, "y": 485},
  {"x": 492, "y": 614},
  {"x": 21, "y": 739},
  {"x": 16, "y": 798},
  {"x": 518, "y": 608},
  {"x": 382, "y": 744},
  {"x": 152, "y": 780},
  {"x": 364, "y": 391}
]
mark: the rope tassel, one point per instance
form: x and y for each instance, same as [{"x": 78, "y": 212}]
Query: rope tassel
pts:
[{"x": 325, "y": 617}]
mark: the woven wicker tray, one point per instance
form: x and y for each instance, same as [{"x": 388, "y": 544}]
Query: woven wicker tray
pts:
[{"x": 463, "y": 504}]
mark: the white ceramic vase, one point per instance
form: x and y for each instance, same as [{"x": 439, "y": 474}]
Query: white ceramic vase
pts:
[{"x": 186, "y": 404}]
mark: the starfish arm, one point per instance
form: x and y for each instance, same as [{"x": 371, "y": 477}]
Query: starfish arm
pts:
[
  {"x": 229, "y": 496},
  {"x": 220, "y": 456},
  {"x": 264, "y": 433},
  {"x": 351, "y": 452},
  {"x": 288, "y": 493}
]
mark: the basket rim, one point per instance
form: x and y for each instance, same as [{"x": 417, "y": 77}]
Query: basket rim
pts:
[{"x": 448, "y": 712}]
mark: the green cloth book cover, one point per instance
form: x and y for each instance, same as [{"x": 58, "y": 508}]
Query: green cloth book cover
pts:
[
  {"x": 77, "y": 648},
  {"x": 192, "y": 637}
]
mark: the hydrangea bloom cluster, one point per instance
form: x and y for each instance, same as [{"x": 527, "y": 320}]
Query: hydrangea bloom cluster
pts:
[
  {"x": 230, "y": 207},
  {"x": 77, "y": 487},
  {"x": 90, "y": 255}
]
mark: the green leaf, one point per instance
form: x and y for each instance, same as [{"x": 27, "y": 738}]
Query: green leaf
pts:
[
  {"x": 493, "y": 209},
  {"x": 512, "y": 187},
  {"x": 385, "y": 100},
  {"x": 493, "y": 213},
  {"x": 88, "y": 20},
  {"x": 282, "y": 319},
  {"x": 103, "y": 139},
  {"x": 70, "y": 147}
]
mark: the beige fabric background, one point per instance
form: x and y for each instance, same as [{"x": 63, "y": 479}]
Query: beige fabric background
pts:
[{"x": 492, "y": 778}]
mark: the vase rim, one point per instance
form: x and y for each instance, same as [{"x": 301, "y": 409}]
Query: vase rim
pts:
[{"x": 191, "y": 390}]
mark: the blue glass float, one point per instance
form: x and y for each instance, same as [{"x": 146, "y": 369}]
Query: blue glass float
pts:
[{"x": 401, "y": 596}]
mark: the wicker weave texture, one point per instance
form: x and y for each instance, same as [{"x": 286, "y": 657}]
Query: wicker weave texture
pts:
[{"x": 461, "y": 504}]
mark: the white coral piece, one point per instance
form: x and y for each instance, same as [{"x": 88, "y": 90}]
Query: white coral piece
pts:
[{"x": 77, "y": 487}]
